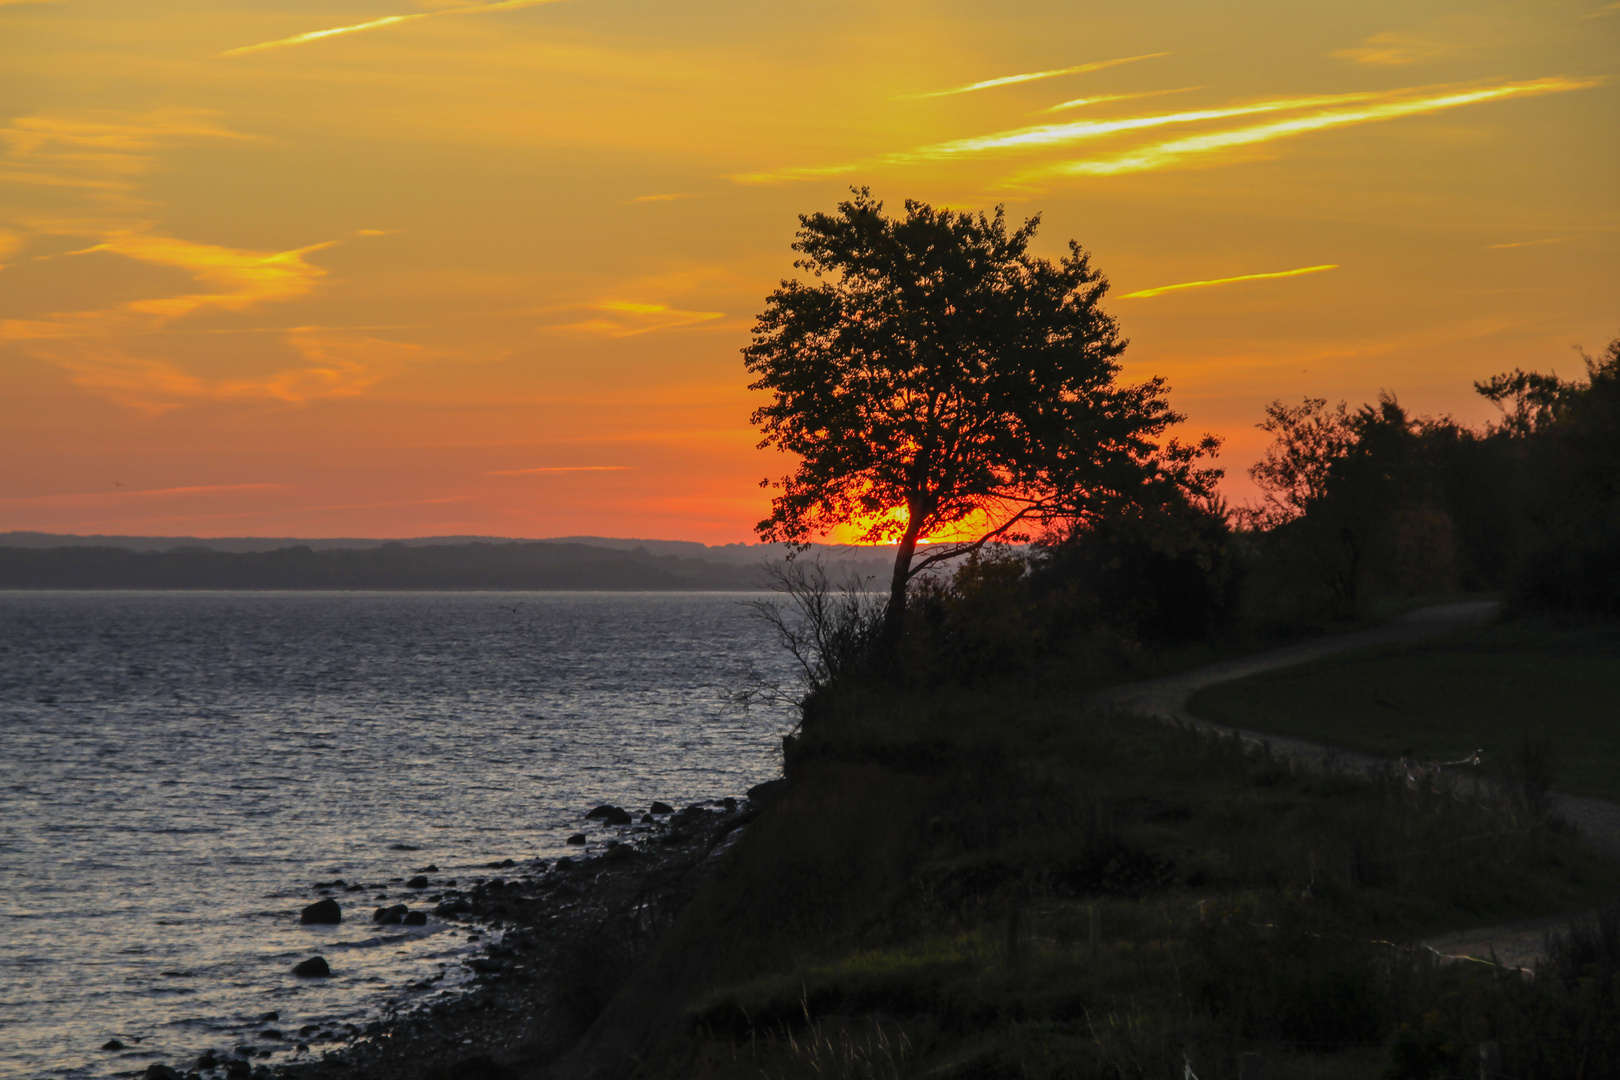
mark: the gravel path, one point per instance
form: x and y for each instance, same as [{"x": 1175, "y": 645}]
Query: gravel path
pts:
[{"x": 1516, "y": 944}]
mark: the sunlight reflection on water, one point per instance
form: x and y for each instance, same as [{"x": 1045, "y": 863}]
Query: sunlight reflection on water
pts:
[{"x": 179, "y": 768}]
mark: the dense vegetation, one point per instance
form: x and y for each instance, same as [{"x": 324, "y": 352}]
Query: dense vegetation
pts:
[
  {"x": 972, "y": 876},
  {"x": 989, "y": 884}
]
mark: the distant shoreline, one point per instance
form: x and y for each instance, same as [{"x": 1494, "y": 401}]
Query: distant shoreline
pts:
[{"x": 521, "y": 566}]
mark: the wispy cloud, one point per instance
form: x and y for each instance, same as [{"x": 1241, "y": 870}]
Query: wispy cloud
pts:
[
  {"x": 1031, "y": 76},
  {"x": 99, "y": 155},
  {"x": 1042, "y": 136},
  {"x": 1392, "y": 106},
  {"x": 97, "y": 347},
  {"x": 1320, "y": 112},
  {"x": 1391, "y": 50},
  {"x": 1142, "y": 294},
  {"x": 672, "y": 196},
  {"x": 1079, "y": 103},
  {"x": 628, "y": 318},
  {"x": 381, "y": 23},
  {"x": 1527, "y": 243},
  {"x": 90, "y": 498},
  {"x": 558, "y": 469},
  {"x": 1606, "y": 9}
]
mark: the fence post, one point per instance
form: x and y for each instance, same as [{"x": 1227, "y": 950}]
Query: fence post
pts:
[
  {"x": 1490, "y": 1060},
  {"x": 1250, "y": 1066}
]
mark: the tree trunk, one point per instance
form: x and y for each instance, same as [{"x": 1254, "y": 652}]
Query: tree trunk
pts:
[{"x": 894, "y": 616}]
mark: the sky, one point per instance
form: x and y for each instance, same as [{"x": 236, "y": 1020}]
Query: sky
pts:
[{"x": 399, "y": 268}]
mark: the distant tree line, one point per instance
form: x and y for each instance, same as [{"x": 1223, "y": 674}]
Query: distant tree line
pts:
[{"x": 390, "y": 566}]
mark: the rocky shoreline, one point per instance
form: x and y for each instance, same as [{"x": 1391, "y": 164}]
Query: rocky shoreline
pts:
[{"x": 557, "y": 942}]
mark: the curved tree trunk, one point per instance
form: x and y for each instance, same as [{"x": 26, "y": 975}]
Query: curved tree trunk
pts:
[{"x": 894, "y": 616}]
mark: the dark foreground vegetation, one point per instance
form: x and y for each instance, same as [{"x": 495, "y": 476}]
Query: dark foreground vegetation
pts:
[{"x": 983, "y": 884}]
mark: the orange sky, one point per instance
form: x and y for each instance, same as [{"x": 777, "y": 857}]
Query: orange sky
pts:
[{"x": 485, "y": 267}]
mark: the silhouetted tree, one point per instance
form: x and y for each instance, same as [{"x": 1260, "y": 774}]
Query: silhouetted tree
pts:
[
  {"x": 1569, "y": 434},
  {"x": 935, "y": 374}
]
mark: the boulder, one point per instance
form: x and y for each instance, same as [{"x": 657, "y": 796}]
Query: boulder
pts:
[
  {"x": 453, "y": 906},
  {"x": 161, "y": 1072},
  {"x": 417, "y": 882},
  {"x": 321, "y": 912},
  {"x": 661, "y": 808},
  {"x": 112, "y": 1044},
  {"x": 415, "y": 918},
  {"x": 315, "y": 967},
  {"x": 390, "y": 916},
  {"x": 577, "y": 838},
  {"x": 610, "y": 815},
  {"x": 565, "y": 863},
  {"x": 768, "y": 792}
]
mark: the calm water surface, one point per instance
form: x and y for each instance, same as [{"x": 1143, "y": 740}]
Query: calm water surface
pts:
[{"x": 178, "y": 769}]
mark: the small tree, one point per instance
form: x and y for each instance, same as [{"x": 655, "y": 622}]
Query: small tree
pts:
[{"x": 934, "y": 374}]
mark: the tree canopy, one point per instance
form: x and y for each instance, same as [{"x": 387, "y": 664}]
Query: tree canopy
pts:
[{"x": 934, "y": 374}]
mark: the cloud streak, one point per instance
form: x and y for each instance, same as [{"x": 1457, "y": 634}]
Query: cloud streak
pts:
[
  {"x": 1320, "y": 113},
  {"x": 628, "y": 318},
  {"x": 1031, "y": 76},
  {"x": 1041, "y": 136},
  {"x": 1393, "y": 106},
  {"x": 1527, "y": 243},
  {"x": 1391, "y": 50},
  {"x": 1142, "y": 294},
  {"x": 559, "y": 469},
  {"x": 90, "y": 498},
  {"x": 381, "y": 23}
]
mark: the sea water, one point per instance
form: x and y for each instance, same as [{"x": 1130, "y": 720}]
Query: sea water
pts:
[{"x": 177, "y": 771}]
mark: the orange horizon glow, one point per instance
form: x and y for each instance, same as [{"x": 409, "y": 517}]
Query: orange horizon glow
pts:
[{"x": 398, "y": 268}]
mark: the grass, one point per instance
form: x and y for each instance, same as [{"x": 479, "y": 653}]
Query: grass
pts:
[
  {"x": 994, "y": 884},
  {"x": 1493, "y": 688}
]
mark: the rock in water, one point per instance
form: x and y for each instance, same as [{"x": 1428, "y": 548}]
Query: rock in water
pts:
[
  {"x": 611, "y": 815},
  {"x": 415, "y": 918},
  {"x": 417, "y": 882},
  {"x": 313, "y": 968},
  {"x": 390, "y": 916},
  {"x": 161, "y": 1072},
  {"x": 577, "y": 838},
  {"x": 661, "y": 808},
  {"x": 112, "y": 1044},
  {"x": 321, "y": 912}
]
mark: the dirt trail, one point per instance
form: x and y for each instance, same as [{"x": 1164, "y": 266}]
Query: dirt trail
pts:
[{"x": 1516, "y": 944}]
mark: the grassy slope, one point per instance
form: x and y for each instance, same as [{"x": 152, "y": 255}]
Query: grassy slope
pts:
[
  {"x": 1491, "y": 688},
  {"x": 921, "y": 902}
]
